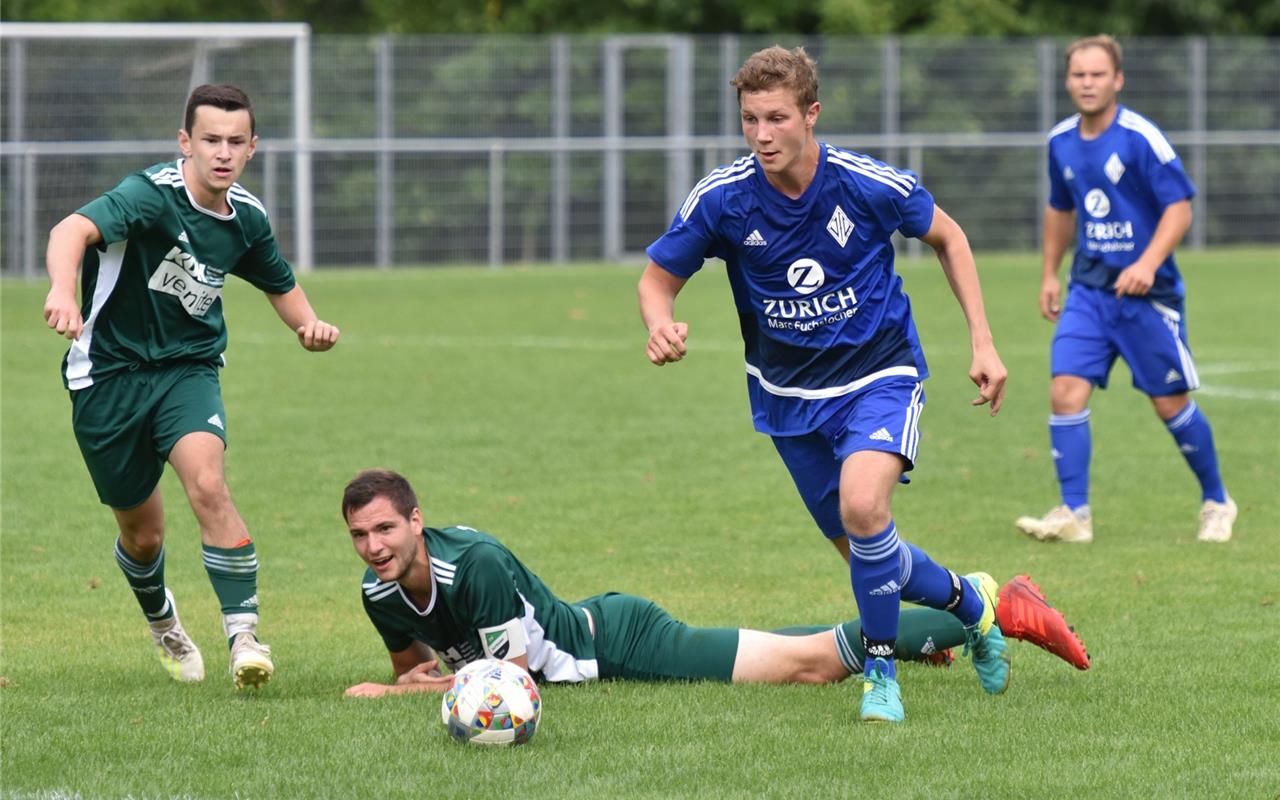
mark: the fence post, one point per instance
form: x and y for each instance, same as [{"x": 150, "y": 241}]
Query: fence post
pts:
[
  {"x": 890, "y": 98},
  {"x": 612, "y": 240},
  {"x": 1197, "y": 55},
  {"x": 560, "y": 158},
  {"x": 18, "y": 232},
  {"x": 497, "y": 205},
  {"x": 304, "y": 232},
  {"x": 730, "y": 119},
  {"x": 384, "y": 245},
  {"x": 679, "y": 118},
  {"x": 1048, "y": 90}
]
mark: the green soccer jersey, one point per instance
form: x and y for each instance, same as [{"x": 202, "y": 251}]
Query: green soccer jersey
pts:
[
  {"x": 153, "y": 295},
  {"x": 484, "y": 604}
]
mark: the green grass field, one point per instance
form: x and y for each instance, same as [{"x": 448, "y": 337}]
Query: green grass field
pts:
[{"x": 520, "y": 402}]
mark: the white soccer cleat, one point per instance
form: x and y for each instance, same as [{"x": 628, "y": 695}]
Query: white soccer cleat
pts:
[
  {"x": 1061, "y": 524},
  {"x": 250, "y": 661},
  {"x": 179, "y": 655},
  {"x": 1216, "y": 520}
]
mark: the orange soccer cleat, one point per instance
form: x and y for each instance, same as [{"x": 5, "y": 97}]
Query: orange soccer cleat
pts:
[{"x": 1023, "y": 613}]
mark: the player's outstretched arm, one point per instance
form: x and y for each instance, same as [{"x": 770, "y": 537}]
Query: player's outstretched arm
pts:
[
  {"x": 416, "y": 670},
  {"x": 657, "y": 290},
  {"x": 952, "y": 247},
  {"x": 294, "y": 309},
  {"x": 1058, "y": 227},
  {"x": 67, "y": 242}
]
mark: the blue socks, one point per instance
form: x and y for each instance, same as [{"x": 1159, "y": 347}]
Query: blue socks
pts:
[
  {"x": 883, "y": 570},
  {"x": 1072, "y": 448},
  {"x": 875, "y": 571},
  {"x": 1190, "y": 429}
]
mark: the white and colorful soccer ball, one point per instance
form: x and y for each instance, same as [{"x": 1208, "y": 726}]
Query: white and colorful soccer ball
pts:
[{"x": 491, "y": 702}]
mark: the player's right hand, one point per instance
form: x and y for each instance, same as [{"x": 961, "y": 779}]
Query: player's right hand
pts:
[
  {"x": 62, "y": 313},
  {"x": 1050, "y": 299},
  {"x": 667, "y": 342}
]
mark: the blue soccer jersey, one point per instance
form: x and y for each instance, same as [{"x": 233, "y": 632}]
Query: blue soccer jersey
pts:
[
  {"x": 1119, "y": 184},
  {"x": 822, "y": 312}
]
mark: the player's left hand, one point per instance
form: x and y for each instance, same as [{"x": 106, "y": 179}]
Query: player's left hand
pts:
[
  {"x": 317, "y": 335},
  {"x": 989, "y": 375},
  {"x": 1135, "y": 279}
]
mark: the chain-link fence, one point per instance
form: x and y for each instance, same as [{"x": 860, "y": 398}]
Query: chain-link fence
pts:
[{"x": 382, "y": 151}]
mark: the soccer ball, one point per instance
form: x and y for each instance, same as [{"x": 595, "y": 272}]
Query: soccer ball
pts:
[{"x": 491, "y": 702}]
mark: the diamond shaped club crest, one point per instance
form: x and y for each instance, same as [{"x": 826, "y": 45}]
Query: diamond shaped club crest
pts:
[{"x": 839, "y": 226}]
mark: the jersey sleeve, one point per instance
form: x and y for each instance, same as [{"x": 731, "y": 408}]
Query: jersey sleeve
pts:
[
  {"x": 487, "y": 595},
  {"x": 263, "y": 266},
  {"x": 693, "y": 236},
  {"x": 1168, "y": 180},
  {"x": 1059, "y": 192},
  {"x": 131, "y": 207},
  {"x": 394, "y": 635},
  {"x": 899, "y": 201}
]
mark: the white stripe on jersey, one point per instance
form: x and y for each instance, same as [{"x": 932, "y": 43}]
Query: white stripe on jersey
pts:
[
  {"x": 1066, "y": 126},
  {"x": 901, "y": 178},
  {"x": 1159, "y": 145},
  {"x": 443, "y": 566},
  {"x": 853, "y": 166},
  {"x": 835, "y": 391},
  {"x": 714, "y": 175},
  {"x": 378, "y": 590},
  {"x": 730, "y": 177},
  {"x": 79, "y": 364},
  {"x": 238, "y": 192}
]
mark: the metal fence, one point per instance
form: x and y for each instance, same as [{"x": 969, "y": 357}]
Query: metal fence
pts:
[{"x": 383, "y": 151}]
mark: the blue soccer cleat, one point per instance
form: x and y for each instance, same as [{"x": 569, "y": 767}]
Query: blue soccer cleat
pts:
[
  {"x": 881, "y": 697},
  {"x": 984, "y": 642}
]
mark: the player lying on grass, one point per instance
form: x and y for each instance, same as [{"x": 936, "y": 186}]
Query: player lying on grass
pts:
[{"x": 461, "y": 594}]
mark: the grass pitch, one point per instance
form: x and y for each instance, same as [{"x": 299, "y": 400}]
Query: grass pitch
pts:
[{"x": 520, "y": 402}]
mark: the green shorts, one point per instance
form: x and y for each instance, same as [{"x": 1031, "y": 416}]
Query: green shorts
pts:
[
  {"x": 637, "y": 639},
  {"x": 127, "y": 425}
]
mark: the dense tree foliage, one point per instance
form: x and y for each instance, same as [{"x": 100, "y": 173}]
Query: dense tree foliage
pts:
[{"x": 952, "y": 17}]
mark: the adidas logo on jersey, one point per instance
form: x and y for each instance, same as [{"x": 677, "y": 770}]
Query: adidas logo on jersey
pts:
[
  {"x": 881, "y": 435},
  {"x": 182, "y": 237},
  {"x": 1068, "y": 173},
  {"x": 891, "y": 587},
  {"x": 1171, "y": 376},
  {"x": 754, "y": 240},
  {"x": 216, "y": 421}
]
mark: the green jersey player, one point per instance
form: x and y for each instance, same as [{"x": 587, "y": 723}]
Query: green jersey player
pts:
[
  {"x": 147, "y": 341},
  {"x": 457, "y": 595}
]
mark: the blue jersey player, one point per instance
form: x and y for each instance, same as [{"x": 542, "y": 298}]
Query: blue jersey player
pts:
[
  {"x": 1115, "y": 177},
  {"x": 834, "y": 365}
]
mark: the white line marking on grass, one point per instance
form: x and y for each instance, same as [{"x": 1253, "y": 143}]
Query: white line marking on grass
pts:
[{"x": 1236, "y": 393}]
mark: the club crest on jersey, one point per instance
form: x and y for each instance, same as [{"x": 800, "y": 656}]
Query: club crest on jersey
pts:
[
  {"x": 198, "y": 286},
  {"x": 806, "y": 276},
  {"x": 840, "y": 226},
  {"x": 1097, "y": 203},
  {"x": 1114, "y": 168}
]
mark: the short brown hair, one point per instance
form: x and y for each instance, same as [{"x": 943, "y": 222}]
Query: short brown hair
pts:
[
  {"x": 371, "y": 484},
  {"x": 223, "y": 96},
  {"x": 1103, "y": 41},
  {"x": 776, "y": 66}
]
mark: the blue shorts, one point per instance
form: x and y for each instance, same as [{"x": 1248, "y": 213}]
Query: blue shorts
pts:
[
  {"x": 1096, "y": 326},
  {"x": 884, "y": 417}
]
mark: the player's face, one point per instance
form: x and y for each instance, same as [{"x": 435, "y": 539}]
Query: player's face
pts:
[
  {"x": 388, "y": 541},
  {"x": 1092, "y": 81},
  {"x": 776, "y": 128},
  {"x": 217, "y": 148}
]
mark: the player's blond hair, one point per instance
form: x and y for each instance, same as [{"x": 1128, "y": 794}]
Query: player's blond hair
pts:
[
  {"x": 1102, "y": 41},
  {"x": 775, "y": 67}
]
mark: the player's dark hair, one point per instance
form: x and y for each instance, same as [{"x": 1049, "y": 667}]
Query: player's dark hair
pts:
[
  {"x": 775, "y": 67},
  {"x": 1102, "y": 41},
  {"x": 371, "y": 484},
  {"x": 223, "y": 96}
]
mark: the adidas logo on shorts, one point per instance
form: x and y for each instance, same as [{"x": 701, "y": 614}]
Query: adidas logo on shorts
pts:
[{"x": 882, "y": 435}]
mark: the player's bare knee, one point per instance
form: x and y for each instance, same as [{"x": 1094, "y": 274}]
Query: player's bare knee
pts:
[
  {"x": 142, "y": 541},
  {"x": 1170, "y": 406},
  {"x": 864, "y": 514},
  {"x": 207, "y": 491}
]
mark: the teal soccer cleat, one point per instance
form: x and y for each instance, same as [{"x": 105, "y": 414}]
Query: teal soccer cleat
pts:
[
  {"x": 881, "y": 697},
  {"x": 984, "y": 641}
]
